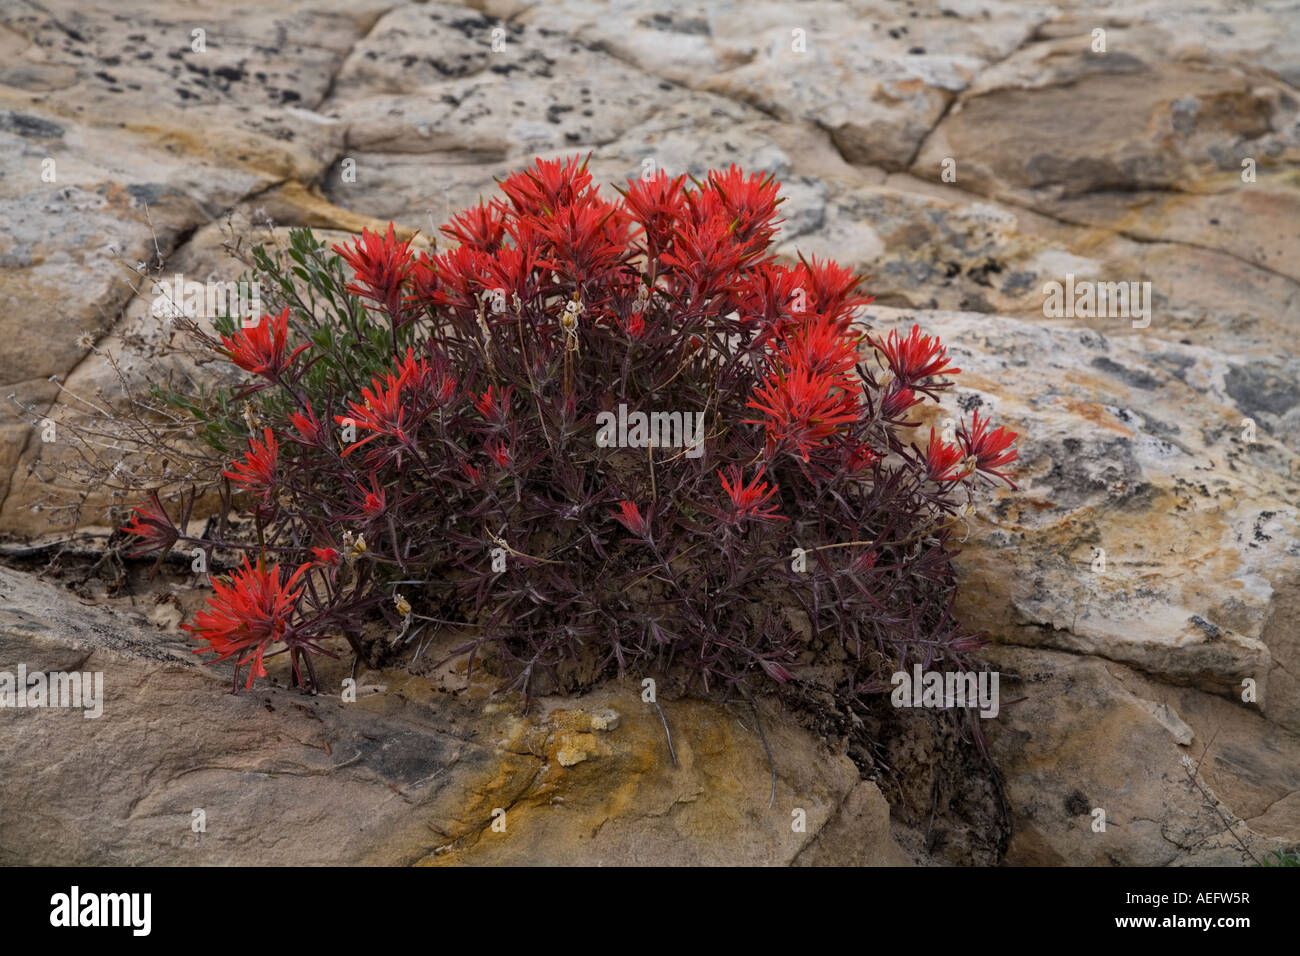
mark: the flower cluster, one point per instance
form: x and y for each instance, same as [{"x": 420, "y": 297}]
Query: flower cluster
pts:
[{"x": 441, "y": 434}]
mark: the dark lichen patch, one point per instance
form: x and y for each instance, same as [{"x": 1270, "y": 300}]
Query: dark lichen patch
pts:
[
  {"x": 1260, "y": 391},
  {"x": 30, "y": 127},
  {"x": 670, "y": 23},
  {"x": 1133, "y": 377},
  {"x": 1083, "y": 470}
]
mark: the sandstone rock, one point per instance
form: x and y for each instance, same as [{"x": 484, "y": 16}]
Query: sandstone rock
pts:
[
  {"x": 1133, "y": 447},
  {"x": 875, "y": 79},
  {"x": 1177, "y": 772},
  {"x": 411, "y": 773},
  {"x": 117, "y": 141},
  {"x": 51, "y": 489},
  {"x": 1159, "y": 154}
]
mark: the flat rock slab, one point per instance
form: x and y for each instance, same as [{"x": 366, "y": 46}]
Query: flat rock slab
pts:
[{"x": 406, "y": 774}]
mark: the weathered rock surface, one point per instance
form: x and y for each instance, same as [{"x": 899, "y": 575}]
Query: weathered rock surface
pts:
[
  {"x": 1122, "y": 165},
  {"x": 1143, "y": 586},
  {"x": 407, "y": 774},
  {"x": 1180, "y": 777}
]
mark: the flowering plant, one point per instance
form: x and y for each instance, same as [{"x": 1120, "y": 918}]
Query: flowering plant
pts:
[{"x": 596, "y": 434}]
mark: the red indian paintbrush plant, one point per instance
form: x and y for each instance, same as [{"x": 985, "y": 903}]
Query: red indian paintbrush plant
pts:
[{"x": 441, "y": 433}]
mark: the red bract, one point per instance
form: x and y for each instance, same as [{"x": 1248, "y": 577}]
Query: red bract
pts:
[
  {"x": 656, "y": 203},
  {"x": 310, "y": 430},
  {"x": 373, "y": 501},
  {"x": 547, "y": 186},
  {"x": 858, "y": 458},
  {"x": 896, "y": 402},
  {"x": 499, "y": 453},
  {"x": 629, "y": 516},
  {"x": 746, "y": 203},
  {"x": 462, "y": 275},
  {"x": 382, "y": 265},
  {"x": 481, "y": 227},
  {"x": 824, "y": 347},
  {"x": 250, "y": 613},
  {"x": 990, "y": 450},
  {"x": 424, "y": 383},
  {"x": 944, "y": 462},
  {"x": 915, "y": 358},
  {"x": 705, "y": 255},
  {"x": 511, "y": 276},
  {"x": 263, "y": 348},
  {"x": 747, "y": 500},
  {"x": 151, "y": 524},
  {"x": 257, "y": 472},
  {"x": 803, "y": 408},
  {"x": 828, "y": 289},
  {"x": 772, "y": 296},
  {"x": 380, "y": 411},
  {"x": 634, "y": 325},
  {"x": 494, "y": 404},
  {"x": 585, "y": 241},
  {"x": 423, "y": 282}
]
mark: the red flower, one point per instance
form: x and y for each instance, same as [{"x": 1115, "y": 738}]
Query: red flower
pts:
[
  {"x": 312, "y": 432},
  {"x": 374, "y": 502},
  {"x": 657, "y": 204},
  {"x": 261, "y": 348},
  {"x": 462, "y": 274},
  {"x": 251, "y": 612},
  {"x": 832, "y": 289},
  {"x": 380, "y": 411},
  {"x": 803, "y": 407},
  {"x": 423, "y": 281},
  {"x": 494, "y": 404},
  {"x": 381, "y": 264},
  {"x": 772, "y": 294},
  {"x": 748, "y": 203},
  {"x": 747, "y": 500},
  {"x": 155, "y": 530},
  {"x": 824, "y": 347},
  {"x": 989, "y": 449},
  {"x": 257, "y": 472},
  {"x": 858, "y": 459},
  {"x": 326, "y": 556},
  {"x": 480, "y": 227},
  {"x": 706, "y": 255},
  {"x": 916, "y": 357},
  {"x": 510, "y": 273},
  {"x": 586, "y": 240},
  {"x": 547, "y": 186},
  {"x": 629, "y": 515},
  {"x": 896, "y": 401},
  {"x": 941, "y": 458},
  {"x": 499, "y": 453},
  {"x": 634, "y": 325}
]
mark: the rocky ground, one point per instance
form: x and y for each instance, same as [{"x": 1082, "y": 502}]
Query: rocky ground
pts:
[{"x": 963, "y": 154}]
